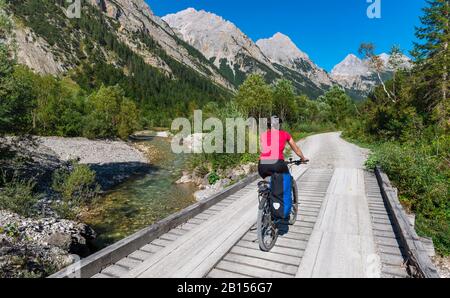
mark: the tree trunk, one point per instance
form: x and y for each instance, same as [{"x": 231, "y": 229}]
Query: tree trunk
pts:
[{"x": 384, "y": 87}]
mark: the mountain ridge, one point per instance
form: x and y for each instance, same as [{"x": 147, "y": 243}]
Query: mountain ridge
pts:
[
  {"x": 191, "y": 41},
  {"x": 220, "y": 41}
]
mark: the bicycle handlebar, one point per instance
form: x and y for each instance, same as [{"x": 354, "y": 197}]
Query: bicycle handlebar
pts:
[{"x": 296, "y": 162}]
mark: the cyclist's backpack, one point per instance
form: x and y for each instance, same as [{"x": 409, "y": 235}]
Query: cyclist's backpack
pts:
[{"x": 281, "y": 195}]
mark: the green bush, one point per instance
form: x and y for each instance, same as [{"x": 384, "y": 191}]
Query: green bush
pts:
[
  {"x": 424, "y": 186},
  {"x": 213, "y": 178},
  {"x": 76, "y": 187},
  {"x": 18, "y": 196},
  {"x": 10, "y": 230}
]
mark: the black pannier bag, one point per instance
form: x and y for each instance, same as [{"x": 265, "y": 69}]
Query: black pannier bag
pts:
[{"x": 281, "y": 195}]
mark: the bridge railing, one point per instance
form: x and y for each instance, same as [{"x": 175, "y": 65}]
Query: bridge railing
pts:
[{"x": 419, "y": 262}]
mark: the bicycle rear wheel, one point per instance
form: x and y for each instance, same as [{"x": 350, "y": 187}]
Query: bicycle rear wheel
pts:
[
  {"x": 294, "y": 210},
  {"x": 266, "y": 228}
]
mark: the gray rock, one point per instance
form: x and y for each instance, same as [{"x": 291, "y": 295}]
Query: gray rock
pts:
[{"x": 60, "y": 240}]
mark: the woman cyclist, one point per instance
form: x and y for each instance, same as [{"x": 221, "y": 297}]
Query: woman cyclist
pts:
[{"x": 273, "y": 143}]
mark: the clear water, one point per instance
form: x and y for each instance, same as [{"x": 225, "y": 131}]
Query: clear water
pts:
[{"x": 142, "y": 201}]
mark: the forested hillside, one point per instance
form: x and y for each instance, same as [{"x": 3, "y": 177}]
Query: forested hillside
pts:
[{"x": 97, "y": 55}]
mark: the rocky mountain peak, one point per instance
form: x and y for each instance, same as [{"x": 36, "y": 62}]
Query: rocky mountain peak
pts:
[
  {"x": 216, "y": 38},
  {"x": 350, "y": 66},
  {"x": 280, "y": 48}
]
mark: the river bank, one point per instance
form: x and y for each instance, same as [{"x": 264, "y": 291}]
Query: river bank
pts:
[{"x": 44, "y": 242}]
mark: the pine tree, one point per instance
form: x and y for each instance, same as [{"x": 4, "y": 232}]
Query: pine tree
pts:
[{"x": 432, "y": 56}]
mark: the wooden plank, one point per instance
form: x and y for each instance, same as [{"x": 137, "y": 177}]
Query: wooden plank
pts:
[
  {"x": 217, "y": 208},
  {"x": 210, "y": 212},
  {"x": 188, "y": 226},
  {"x": 380, "y": 216},
  {"x": 379, "y": 233},
  {"x": 390, "y": 259},
  {"x": 301, "y": 230},
  {"x": 140, "y": 255},
  {"x": 309, "y": 208},
  {"x": 218, "y": 273},
  {"x": 381, "y": 221},
  {"x": 100, "y": 275},
  {"x": 303, "y": 212},
  {"x": 306, "y": 218},
  {"x": 161, "y": 242},
  {"x": 178, "y": 231},
  {"x": 204, "y": 216},
  {"x": 115, "y": 270},
  {"x": 151, "y": 248},
  {"x": 196, "y": 221},
  {"x": 251, "y": 271},
  {"x": 387, "y": 241},
  {"x": 129, "y": 263},
  {"x": 169, "y": 237},
  {"x": 270, "y": 256},
  {"x": 396, "y": 271},
  {"x": 288, "y": 235},
  {"x": 282, "y": 242},
  {"x": 383, "y": 227},
  {"x": 276, "y": 249},
  {"x": 261, "y": 263},
  {"x": 303, "y": 224},
  {"x": 393, "y": 250}
]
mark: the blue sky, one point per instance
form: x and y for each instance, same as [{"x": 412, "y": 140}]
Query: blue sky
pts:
[{"x": 327, "y": 30}]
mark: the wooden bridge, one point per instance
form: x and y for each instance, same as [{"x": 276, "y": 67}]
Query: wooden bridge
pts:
[{"x": 350, "y": 224}]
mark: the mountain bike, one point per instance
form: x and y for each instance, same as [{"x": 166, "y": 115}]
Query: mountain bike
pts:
[{"x": 267, "y": 225}]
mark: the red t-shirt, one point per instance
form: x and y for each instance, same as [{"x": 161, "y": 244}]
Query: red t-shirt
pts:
[{"x": 272, "y": 144}]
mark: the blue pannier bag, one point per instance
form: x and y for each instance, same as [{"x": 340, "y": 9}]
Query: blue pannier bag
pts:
[{"x": 281, "y": 195}]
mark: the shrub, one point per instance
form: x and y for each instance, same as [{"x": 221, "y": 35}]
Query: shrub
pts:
[
  {"x": 76, "y": 187},
  {"x": 213, "y": 178},
  {"x": 18, "y": 196},
  {"x": 424, "y": 187},
  {"x": 10, "y": 230}
]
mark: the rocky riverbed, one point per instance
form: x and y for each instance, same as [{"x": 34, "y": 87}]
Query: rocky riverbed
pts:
[
  {"x": 113, "y": 161},
  {"x": 36, "y": 247}
]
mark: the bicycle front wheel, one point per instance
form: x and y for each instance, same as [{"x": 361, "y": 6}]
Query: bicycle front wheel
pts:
[{"x": 266, "y": 228}]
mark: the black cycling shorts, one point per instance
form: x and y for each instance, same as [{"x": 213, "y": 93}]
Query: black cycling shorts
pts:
[{"x": 267, "y": 167}]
